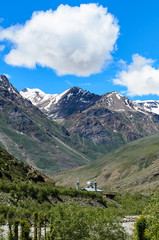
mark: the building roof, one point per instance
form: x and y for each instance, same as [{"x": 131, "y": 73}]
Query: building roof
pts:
[{"x": 92, "y": 189}]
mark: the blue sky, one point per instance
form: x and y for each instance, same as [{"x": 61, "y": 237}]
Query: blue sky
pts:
[{"x": 46, "y": 50}]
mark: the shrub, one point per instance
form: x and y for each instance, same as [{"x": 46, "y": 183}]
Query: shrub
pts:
[
  {"x": 71, "y": 222},
  {"x": 25, "y": 230},
  {"x": 140, "y": 227}
]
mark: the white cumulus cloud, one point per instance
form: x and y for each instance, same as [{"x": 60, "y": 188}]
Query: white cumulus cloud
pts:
[
  {"x": 70, "y": 40},
  {"x": 140, "y": 77}
]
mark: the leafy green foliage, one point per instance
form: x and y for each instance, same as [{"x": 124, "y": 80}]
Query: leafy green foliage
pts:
[
  {"x": 25, "y": 230},
  {"x": 25, "y": 198},
  {"x": 132, "y": 204},
  {"x": 147, "y": 226},
  {"x": 152, "y": 213},
  {"x": 37, "y": 202},
  {"x": 141, "y": 228},
  {"x": 71, "y": 221}
]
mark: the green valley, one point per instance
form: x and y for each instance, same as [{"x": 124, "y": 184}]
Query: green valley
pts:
[
  {"x": 134, "y": 166},
  {"x": 30, "y": 200}
]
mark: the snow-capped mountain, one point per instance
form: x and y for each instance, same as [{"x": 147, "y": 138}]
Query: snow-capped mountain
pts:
[
  {"x": 113, "y": 118},
  {"x": 118, "y": 103},
  {"x": 110, "y": 118},
  {"x": 150, "y": 105},
  {"x": 59, "y": 106},
  {"x": 91, "y": 123},
  {"x": 34, "y": 95},
  {"x": 96, "y": 118}
]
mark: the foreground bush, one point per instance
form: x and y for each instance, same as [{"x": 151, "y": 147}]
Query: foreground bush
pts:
[
  {"x": 69, "y": 221},
  {"x": 74, "y": 222},
  {"x": 147, "y": 226}
]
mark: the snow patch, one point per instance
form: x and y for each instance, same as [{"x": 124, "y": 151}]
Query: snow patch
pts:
[
  {"x": 127, "y": 104},
  {"x": 36, "y": 96},
  {"x": 47, "y": 98},
  {"x": 118, "y": 96},
  {"x": 110, "y": 94},
  {"x": 150, "y": 106},
  {"x": 69, "y": 95},
  {"x": 11, "y": 90},
  {"x": 140, "y": 110},
  {"x": 50, "y": 103},
  {"x": 60, "y": 96},
  {"x": 120, "y": 110},
  {"x": 30, "y": 94},
  {"x": 156, "y": 111}
]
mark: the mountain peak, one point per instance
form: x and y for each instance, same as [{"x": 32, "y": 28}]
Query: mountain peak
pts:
[
  {"x": 6, "y": 85},
  {"x": 54, "y": 105},
  {"x": 4, "y": 81},
  {"x": 116, "y": 102},
  {"x": 115, "y": 94},
  {"x": 77, "y": 90},
  {"x": 35, "y": 95}
]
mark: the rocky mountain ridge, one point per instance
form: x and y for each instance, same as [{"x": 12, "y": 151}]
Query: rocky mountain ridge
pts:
[
  {"x": 59, "y": 106},
  {"x": 106, "y": 121},
  {"x": 113, "y": 118},
  {"x": 76, "y": 99}
]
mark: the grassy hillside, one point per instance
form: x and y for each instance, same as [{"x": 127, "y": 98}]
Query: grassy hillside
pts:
[
  {"x": 33, "y": 139},
  {"x": 15, "y": 171},
  {"x": 134, "y": 166}
]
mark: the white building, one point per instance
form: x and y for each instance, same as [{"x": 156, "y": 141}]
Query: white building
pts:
[{"x": 90, "y": 186}]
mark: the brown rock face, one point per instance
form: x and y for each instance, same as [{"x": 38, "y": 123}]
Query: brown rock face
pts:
[{"x": 113, "y": 119}]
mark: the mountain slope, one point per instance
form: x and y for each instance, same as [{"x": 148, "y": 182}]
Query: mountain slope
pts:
[
  {"x": 33, "y": 138},
  {"x": 112, "y": 120},
  {"x": 13, "y": 170},
  {"x": 134, "y": 166}
]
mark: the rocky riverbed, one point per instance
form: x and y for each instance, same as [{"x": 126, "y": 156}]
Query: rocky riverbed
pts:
[{"x": 128, "y": 223}]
